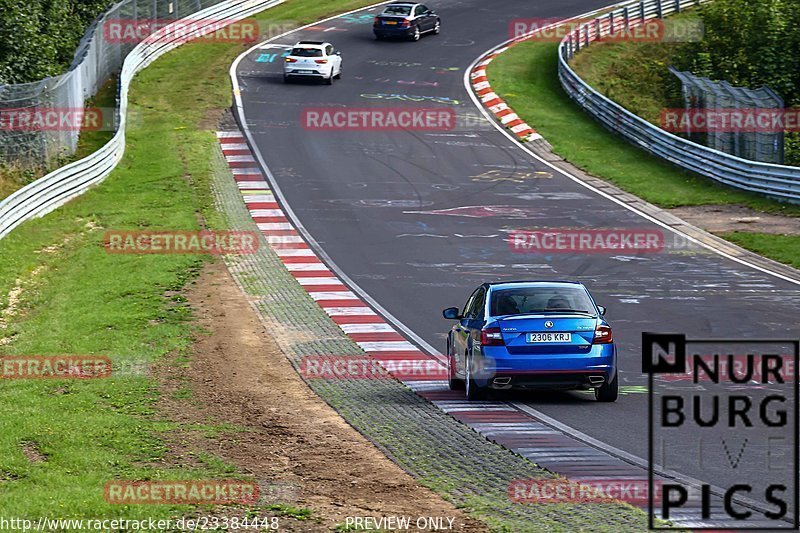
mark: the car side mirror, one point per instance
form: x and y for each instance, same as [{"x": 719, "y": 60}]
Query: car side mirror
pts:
[
  {"x": 451, "y": 313},
  {"x": 602, "y": 310}
]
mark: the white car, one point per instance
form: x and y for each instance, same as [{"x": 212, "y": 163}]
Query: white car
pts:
[{"x": 313, "y": 59}]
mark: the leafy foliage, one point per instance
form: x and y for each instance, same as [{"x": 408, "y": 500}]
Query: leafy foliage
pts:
[
  {"x": 38, "y": 38},
  {"x": 749, "y": 43}
]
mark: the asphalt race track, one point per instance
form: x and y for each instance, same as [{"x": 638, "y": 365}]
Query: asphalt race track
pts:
[{"x": 419, "y": 219}]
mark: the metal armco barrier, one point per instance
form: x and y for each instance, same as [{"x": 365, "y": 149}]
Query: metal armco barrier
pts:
[
  {"x": 777, "y": 181},
  {"x": 55, "y": 189}
]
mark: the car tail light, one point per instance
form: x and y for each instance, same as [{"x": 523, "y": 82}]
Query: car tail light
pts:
[
  {"x": 405, "y": 24},
  {"x": 376, "y": 22},
  {"x": 291, "y": 60},
  {"x": 492, "y": 337},
  {"x": 602, "y": 335},
  {"x": 321, "y": 61}
]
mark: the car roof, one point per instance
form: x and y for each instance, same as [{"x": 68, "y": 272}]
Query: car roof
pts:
[
  {"x": 402, "y": 4},
  {"x": 310, "y": 44},
  {"x": 533, "y": 283}
]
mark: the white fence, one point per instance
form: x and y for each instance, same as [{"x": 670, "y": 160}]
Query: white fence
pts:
[{"x": 60, "y": 186}]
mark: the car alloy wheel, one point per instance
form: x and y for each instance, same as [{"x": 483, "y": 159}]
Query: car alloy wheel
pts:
[
  {"x": 416, "y": 34},
  {"x": 437, "y": 28}
]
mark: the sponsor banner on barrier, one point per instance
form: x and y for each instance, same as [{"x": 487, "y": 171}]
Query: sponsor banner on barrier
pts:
[
  {"x": 568, "y": 240},
  {"x": 743, "y": 120},
  {"x": 181, "y": 242},
  {"x": 650, "y": 31},
  {"x": 378, "y": 119},
  {"x": 182, "y": 492},
  {"x": 133, "y": 31}
]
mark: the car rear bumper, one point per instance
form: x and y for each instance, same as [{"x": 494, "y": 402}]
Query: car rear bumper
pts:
[
  {"x": 393, "y": 32},
  {"x": 310, "y": 73},
  {"x": 500, "y": 370}
]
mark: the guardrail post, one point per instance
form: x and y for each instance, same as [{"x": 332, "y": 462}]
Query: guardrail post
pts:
[
  {"x": 611, "y": 23},
  {"x": 570, "y": 51},
  {"x": 626, "y": 17},
  {"x": 660, "y": 9},
  {"x": 596, "y": 29},
  {"x": 641, "y": 11},
  {"x": 677, "y": 6}
]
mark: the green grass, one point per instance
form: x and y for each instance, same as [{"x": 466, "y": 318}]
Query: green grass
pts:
[
  {"x": 783, "y": 248},
  {"x": 77, "y": 299},
  {"x": 526, "y": 77}
]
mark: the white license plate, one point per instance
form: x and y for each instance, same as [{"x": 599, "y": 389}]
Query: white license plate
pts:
[
  {"x": 305, "y": 71},
  {"x": 549, "y": 337}
]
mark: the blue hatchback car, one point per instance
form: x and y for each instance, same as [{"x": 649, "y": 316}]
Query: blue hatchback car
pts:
[{"x": 531, "y": 335}]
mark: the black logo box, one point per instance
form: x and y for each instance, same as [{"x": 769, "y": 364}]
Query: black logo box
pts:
[{"x": 674, "y": 361}]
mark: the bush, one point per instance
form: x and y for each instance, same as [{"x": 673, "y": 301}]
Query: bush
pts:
[
  {"x": 749, "y": 43},
  {"x": 38, "y": 38}
]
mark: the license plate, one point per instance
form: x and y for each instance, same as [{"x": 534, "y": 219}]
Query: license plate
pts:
[
  {"x": 549, "y": 337},
  {"x": 305, "y": 71},
  {"x": 390, "y": 22}
]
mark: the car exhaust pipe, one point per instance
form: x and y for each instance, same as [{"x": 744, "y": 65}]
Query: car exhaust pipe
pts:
[
  {"x": 502, "y": 382},
  {"x": 597, "y": 380}
]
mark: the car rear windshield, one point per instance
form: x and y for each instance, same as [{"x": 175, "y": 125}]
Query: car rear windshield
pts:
[
  {"x": 528, "y": 300},
  {"x": 306, "y": 52},
  {"x": 397, "y": 10}
]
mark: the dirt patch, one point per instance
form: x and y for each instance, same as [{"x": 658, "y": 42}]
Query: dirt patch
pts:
[
  {"x": 729, "y": 218},
  {"x": 32, "y": 453},
  {"x": 292, "y": 439}
]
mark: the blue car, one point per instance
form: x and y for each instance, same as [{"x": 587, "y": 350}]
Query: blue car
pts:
[{"x": 531, "y": 335}]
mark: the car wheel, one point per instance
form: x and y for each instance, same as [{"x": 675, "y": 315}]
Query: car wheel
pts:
[
  {"x": 437, "y": 28},
  {"x": 607, "y": 392},
  {"x": 378, "y": 37},
  {"x": 416, "y": 35},
  {"x": 329, "y": 79},
  {"x": 338, "y": 74},
  {"x": 474, "y": 391},
  {"x": 452, "y": 380},
  {"x": 285, "y": 78}
]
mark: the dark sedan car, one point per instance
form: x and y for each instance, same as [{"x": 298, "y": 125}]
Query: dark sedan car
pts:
[{"x": 405, "y": 20}]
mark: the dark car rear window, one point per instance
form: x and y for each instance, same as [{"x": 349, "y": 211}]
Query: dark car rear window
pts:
[
  {"x": 397, "y": 10},
  {"x": 306, "y": 52},
  {"x": 525, "y": 300}
]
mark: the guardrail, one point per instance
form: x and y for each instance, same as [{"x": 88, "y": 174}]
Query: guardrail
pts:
[
  {"x": 55, "y": 189},
  {"x": 777, "y": 181}
]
